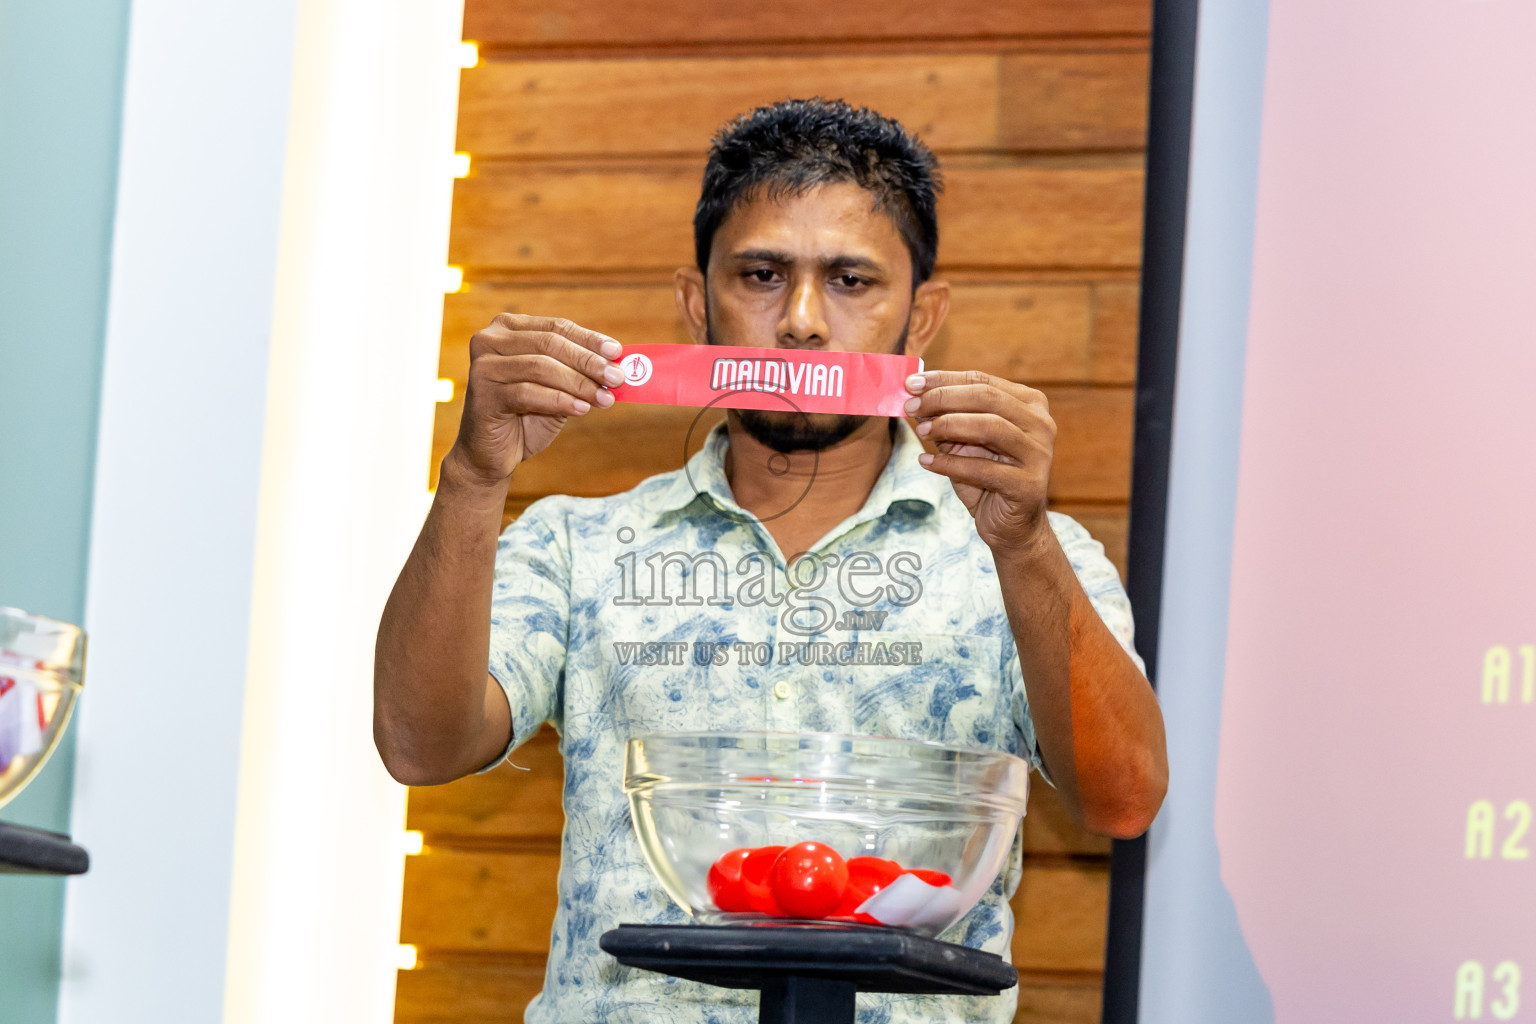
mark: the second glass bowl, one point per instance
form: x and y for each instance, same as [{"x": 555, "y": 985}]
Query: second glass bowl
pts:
[{"x": 41, "y": 665}]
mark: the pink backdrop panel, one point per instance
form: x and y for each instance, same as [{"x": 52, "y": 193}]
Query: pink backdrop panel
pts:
[{"x": 1386, "y": 513}]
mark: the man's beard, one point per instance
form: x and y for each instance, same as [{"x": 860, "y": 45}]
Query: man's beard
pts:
[
  {"x": 793, "y": 430},
  {"x": 789, "y": 431}
]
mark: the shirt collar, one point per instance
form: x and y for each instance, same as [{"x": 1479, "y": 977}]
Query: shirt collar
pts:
[{"x": 903, "y": 480}]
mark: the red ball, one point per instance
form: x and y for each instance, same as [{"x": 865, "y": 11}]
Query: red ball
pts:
[
  {"x": 873, "y": 873},
  {"x": 808, "y": 880},
  {"x": 755, "y": 868},
  {"x": 866, "y": 876},
  {"x": 725, "y": 885}
]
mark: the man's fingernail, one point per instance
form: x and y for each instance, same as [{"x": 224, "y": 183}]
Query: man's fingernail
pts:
[
  {"x": 611, "y": 349},
  {"x": 581, "y": 406},
  {"x": 925, "y": 459},
  {"x": 915, "y": 383},
  {"x": 613, "y": 375},
  {"x": 924, "y": 427},
  {"x": 913, "y": 404},
  {"x": 604, "y": 398}
]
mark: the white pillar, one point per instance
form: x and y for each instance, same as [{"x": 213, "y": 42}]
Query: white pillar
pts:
[{"x": 266, "y": 420}]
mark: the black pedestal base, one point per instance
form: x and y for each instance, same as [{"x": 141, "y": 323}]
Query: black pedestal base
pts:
[
  {"x": 809, "y": 974},
  {"x": 25, "y": 850},
  {"x": 795, "y": 1000}
]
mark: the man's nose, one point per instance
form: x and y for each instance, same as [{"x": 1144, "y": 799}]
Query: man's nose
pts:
[{"x": 804, "y": 324}]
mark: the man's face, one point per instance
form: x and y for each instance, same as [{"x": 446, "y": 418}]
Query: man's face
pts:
[{"x": 820, "y": 270}]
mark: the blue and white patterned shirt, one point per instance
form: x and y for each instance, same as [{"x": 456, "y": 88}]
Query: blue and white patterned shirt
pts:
[{"x": 604, "y": 608}]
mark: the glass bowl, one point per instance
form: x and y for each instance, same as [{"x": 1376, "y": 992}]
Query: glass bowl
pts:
[
  {"x": 41, "y": 661},
  {"x": 901, "y": 833}
]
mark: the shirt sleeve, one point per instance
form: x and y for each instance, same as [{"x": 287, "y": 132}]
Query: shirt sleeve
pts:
[
  {"x": 530, "y": 619},
  {"x": 1101, "y": 582}
]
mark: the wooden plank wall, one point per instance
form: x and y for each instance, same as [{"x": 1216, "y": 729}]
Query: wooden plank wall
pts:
[{"x": 587, "y": 122}]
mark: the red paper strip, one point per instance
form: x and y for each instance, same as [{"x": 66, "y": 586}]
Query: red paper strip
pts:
[{"x": 852, "y": 383}]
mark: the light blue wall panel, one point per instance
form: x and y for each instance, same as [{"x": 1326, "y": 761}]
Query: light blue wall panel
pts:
[{"x": 61, "y": 75}]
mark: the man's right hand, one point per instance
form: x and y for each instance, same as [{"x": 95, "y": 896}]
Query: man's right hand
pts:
[
  {"x": 527, "y": 375},
  {"x": 437, "y": 715}
]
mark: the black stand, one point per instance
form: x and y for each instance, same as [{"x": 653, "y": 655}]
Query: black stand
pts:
[
  {"x": 25, "y": 850},
  {"x": 809, "y": 974}
]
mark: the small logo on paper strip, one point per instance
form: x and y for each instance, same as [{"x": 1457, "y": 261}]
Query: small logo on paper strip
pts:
[{"x": 636, "y": 367}]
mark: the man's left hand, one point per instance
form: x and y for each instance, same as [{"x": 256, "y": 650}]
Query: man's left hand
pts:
[{"x": 995, "y": 441}]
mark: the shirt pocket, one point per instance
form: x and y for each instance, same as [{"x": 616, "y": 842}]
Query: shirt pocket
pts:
[
  {"x": 948, "y": 689},
  {"x": 664, "y": 678}
]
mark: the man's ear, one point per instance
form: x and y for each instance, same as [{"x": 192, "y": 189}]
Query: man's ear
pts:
[
  {"x": 930, "y": 305},
  {"x": 688, "y": 290}
]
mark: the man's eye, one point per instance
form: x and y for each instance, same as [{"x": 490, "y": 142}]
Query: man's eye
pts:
[
  {"x": 760, "y": 276},
  {"x": 850, "y": 280}
]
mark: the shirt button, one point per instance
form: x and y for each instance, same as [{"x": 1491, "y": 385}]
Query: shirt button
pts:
[{"x": 781, "y": 690}]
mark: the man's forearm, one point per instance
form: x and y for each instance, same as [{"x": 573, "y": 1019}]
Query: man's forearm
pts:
[
  {"x": 434, "y": 638},
  {"x": 1096, "y": 718}
]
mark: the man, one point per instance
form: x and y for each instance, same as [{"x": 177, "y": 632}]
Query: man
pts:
[{"x": 815, "y": 230}]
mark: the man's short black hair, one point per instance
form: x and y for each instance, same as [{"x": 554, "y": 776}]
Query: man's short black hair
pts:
[{"x": 793, "y": 146}]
